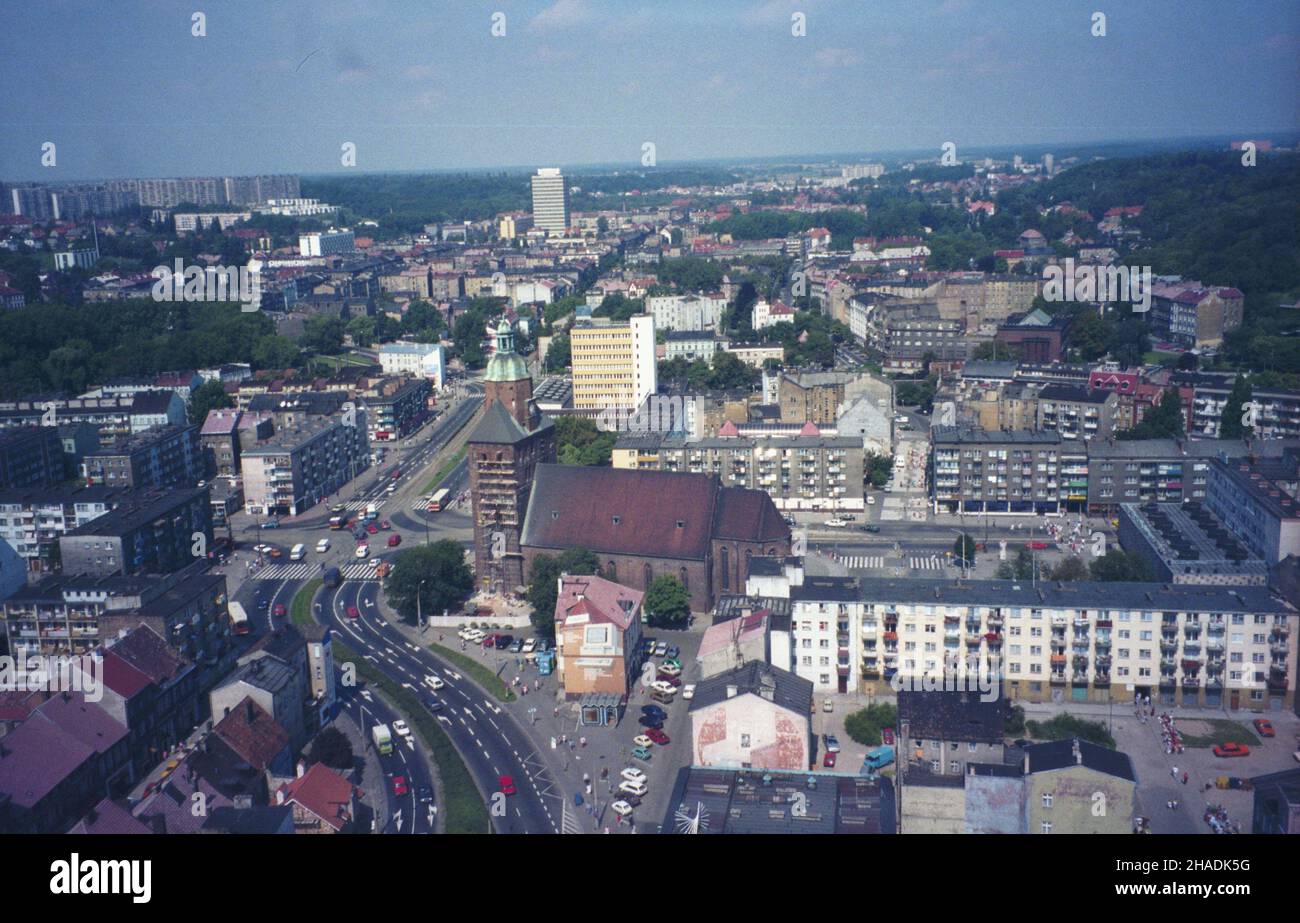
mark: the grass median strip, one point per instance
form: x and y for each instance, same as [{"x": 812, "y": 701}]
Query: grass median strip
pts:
[
  {"x": 300, "y": 611},
  {"x": 445, "y": 470},
  {"x": 477, "y": 672},
  {"x": 463, "y": 809}
]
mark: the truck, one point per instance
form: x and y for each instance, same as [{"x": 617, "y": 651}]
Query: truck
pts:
[
  {"x": 239, "y": 623},
  {"x": 383, "y": 738},
  {"x": 876, "y": 759}
]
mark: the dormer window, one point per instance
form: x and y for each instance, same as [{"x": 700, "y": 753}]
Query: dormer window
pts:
[{"x": 617, "y": 520}]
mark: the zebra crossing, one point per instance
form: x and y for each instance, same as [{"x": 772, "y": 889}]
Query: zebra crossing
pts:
[
  {"x": 302, "y": 571},
  {"x": 934, "y": 562},
  {"x": 862, "y": 562}
]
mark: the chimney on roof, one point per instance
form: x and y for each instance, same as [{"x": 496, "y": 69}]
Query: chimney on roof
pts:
[
  {"x": 250, "y": 711},
  {"x": 301, "y": 769},
  {"x": 732, "y": 690}
]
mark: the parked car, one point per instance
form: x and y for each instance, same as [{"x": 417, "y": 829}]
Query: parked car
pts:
[
  {"x": 831, "y": 743},
  {"x": 653, "y": 710},
  {"x": 632, "y": 774},
  {"x": 658, "y": 736},
  {"x": 828, "y": 705},
  {"x": 642, "y": 741},
  {"x": 835, "y": 522},
  {"x": 633, "y": 788},
  {"x": 384, "y": 525},
  {"x": 673, "y": 652},
  {"x": 363, "y": 551},
  {"x": 649, "y": 646},
  {"x": 661, "y": 649},
  {"x": 529, "y": 646},
  {"x": 667, "y": 669},
  {"x": 394, "y": 540},
  {"x": 271, "y": 524},
  {"x": 829, "y": 760},
  {"x": 1231, "y": 749},
  {"x": 490, "y": 640},
  {"x": 887, "y": 736},
  {"x": 507, "y": 784},
  {"x": 1264, "y": 727},
  {"x": 505, "y": 641},
  {"x": 870, "y": 528},
  {"x": 641, "y": 753},
  {"x": 670, "y": 678},
  {"x": 672, "y": 662},
  {"x": 517, "y": 645},
  {"x": 401, "y": 729},
  {"x": 621, "y": 808},
  {"x": 651, "y": 721},
  {"x": 688, "y": 691}
]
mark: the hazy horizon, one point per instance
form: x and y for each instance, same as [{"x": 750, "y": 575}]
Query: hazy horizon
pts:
[{"x": 129, "y": 92}]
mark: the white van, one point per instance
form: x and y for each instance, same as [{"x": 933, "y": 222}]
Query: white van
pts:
[
  {"x": 627, "y": 786},
  {"x": 298, "y": 552},
  {"x": 323, "y": 546}
]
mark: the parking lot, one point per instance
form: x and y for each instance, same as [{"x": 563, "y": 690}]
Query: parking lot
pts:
[
  {"x": 589, "y": 760},
  {"x": 1142, "y": 741}
]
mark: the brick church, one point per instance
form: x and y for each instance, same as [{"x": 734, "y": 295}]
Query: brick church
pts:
[
  {"x": 640, "y": 524},
  {"x": 507, "y": 444}
]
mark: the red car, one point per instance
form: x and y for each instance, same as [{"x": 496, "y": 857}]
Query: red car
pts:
[
  {"x": 395, "y": 473},
  {"x": 1231, "y": 749},
  {"x": 384, "y": 525},
  {"x": 887, "y": 736},
  {"x": 281, "y": 610},
  {"x": 657, "y": 736},
  {"x": 829, "y": 760},
  {"x": 507, "y": 785},
  {"x": 399, "y": 786},
  {"x": 670, "y": 680},
  {"x": 353, "y": 612},
  {"x": 372, "y": 529},
  {"x": 491, "y": 640},
  {"x": 1036, "y": 546},
  {"x": 1265, "y": 728},
  {"x": 394, "y": 540}
]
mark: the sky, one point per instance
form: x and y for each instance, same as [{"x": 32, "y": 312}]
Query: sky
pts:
[{"x": 124, "y": 89}]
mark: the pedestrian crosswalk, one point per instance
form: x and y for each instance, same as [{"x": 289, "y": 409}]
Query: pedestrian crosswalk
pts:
[
  {"x": 934, "y": 562},
  {"x": 862, "y": 562},
  {"x": 302, "y": 571}
]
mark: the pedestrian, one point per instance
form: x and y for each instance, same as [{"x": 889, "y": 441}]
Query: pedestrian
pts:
[
  {"x": 1184, "y": 778},
  {"x": 1174, "y": 772}
]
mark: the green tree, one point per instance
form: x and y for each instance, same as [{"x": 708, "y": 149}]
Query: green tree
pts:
[
  {"x": 208, "y": 396},
  {"x": 1232, "y": 424},
  {"x": 434, "y": 576},
  {"x": 864, "y": 725},
  {"x": 362, "y": 331},
  {"x": 1163, "y": 421},
  {"x": 579, "y": 441},
  {"x": 543, "y": 583},
  {"x": 332, "y": 748},
  {"x": 666, "y": 603},
  {"x": 558, "y": 354},
  {"x": 1071, "y": 569},
  {"x": 323, "y": 335},
  {"x": 1119, "y": 565},
  {"x": 275, "y": 352},
  {"x": 964, "y": 548}
]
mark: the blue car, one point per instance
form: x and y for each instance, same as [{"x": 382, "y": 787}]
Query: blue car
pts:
[{"x": 271, "y": 524}]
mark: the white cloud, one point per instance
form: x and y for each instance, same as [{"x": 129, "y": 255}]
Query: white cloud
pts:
[
  {"x": 837, "y": 57},
  {"x": 563, "y": 14}
]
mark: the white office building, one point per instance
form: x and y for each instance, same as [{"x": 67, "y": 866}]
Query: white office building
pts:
[
  {"x": 327, "y": 243},
  {"x": 550, "y": 201}
]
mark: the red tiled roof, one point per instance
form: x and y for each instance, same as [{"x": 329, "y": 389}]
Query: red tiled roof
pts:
[
  {"x": 323, "y": 792},
  {"x": 601, "y": 600},
  {"x": 253, "y": 734}
]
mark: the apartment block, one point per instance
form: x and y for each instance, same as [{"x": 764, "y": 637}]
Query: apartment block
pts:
[
  {"x": 978, "y": 471},
  {"x": 162, "y": 456},
  {"x": 613, "y": 364},
  {"x": 151, "y": 532},
  {"x": 300, "y": 466},
  {"x": 1077, "y": 413},
  {"x": 550, "y": 201},
  {"x": 1256, "y": 499},
  {"x": 33, "y": 519},
  {"x": 30, "y": 456}
]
